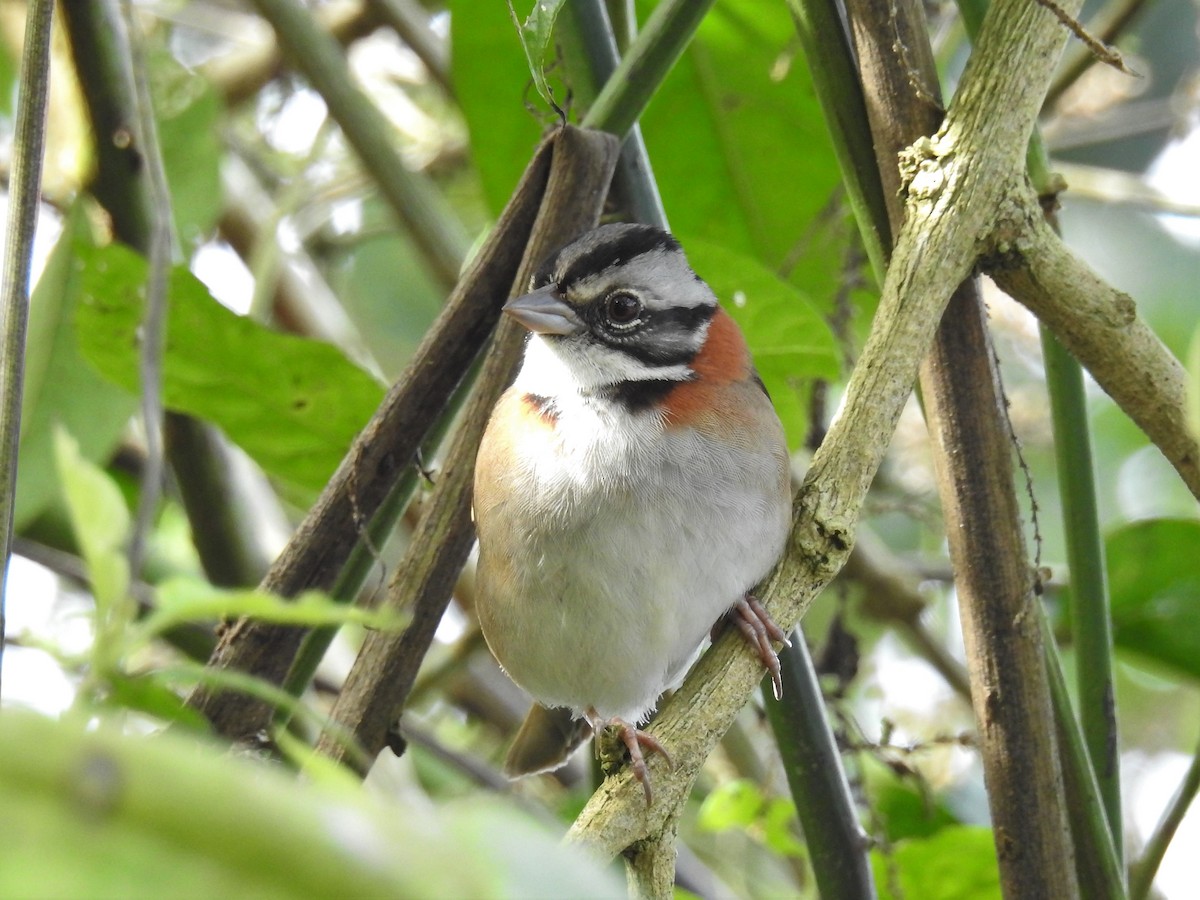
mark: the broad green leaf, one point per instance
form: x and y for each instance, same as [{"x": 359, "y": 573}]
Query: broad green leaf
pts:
[
  {"x": 293, "y": 404},
  {"x": 100, "y": 521},
  {"x": 954, "y": 864},
  {"x": 181, "y": 600},
  {"x": 733, "y": 804},
  {"x": 1154, "y": 589},
  {"x": 90, "y": 812},
  {"x": 491, "y": 81},
  {"x": 905, "y": 812},
  {"x": 740, "y": 149},
  {"x": 535, "y": 36},
  {"x": 779, "y": 828},
  {"x": 60, "y": 387},
  {"x": 736, "y": 137},
  {"x": 187, "y": 111},
  {"x": 790, "y": 340},
  {"x": 148, "y": 694},
  {"x": 8, "y": 80}
]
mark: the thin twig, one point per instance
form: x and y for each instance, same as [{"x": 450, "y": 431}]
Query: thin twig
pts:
[
  {"x": 1119, "y": 15},
  {"x": 153, "y": 329},
  {"x": 1142, "y": 876},
  {"x": 25, "y": 187},
  {"x": 1110, "y": 56}
]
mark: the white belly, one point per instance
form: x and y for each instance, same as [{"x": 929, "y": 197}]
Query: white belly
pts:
[{"x": 615, "y": 571}]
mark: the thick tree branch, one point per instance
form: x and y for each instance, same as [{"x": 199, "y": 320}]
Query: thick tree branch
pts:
[
  {"x": 1101, "y": 328},
  {"x": 959, "y": 178},
  {"x": 964, "y": 408}
]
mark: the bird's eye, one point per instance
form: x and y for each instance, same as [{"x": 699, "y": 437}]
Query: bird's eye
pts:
[{"x": 622, "y": 308}]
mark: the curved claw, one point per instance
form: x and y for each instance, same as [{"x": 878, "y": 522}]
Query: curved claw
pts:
[
  {"x": 760, "y": 629},
  {"x": 635, "y": 740}
]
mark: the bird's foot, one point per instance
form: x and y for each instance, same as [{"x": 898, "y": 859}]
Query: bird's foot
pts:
[
  {"x": 759, "y": 630},
  {"x": 638, "y": 743}
]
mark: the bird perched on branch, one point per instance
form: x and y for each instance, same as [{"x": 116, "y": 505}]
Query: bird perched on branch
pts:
[{"x": 631, "y": 488}]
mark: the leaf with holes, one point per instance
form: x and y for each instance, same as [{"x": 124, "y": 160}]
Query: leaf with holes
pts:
[
  {"x": 293, "y": 404},
  {"x": 535, "y": 39}
]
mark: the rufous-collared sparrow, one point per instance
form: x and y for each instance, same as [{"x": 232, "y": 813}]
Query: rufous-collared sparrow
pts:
[{"x": 632, "y": 486}]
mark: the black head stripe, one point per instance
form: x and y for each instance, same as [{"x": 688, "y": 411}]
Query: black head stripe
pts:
[{"x": 609, "y": 245}]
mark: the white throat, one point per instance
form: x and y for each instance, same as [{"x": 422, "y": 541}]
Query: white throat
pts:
[{"x": 584, "y": 369}]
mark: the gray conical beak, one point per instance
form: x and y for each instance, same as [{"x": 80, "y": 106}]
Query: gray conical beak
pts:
[{"x": 544, "y": 312}]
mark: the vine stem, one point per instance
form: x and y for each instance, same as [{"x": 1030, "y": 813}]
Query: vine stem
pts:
[
  {"x": 153, "y": 332},
  {"x": 25, "y": 190}
]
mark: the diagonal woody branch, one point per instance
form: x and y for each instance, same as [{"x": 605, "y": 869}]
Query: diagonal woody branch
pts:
[{"x": 1101, "y": 327}]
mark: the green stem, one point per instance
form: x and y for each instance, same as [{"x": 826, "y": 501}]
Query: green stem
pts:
[
  {"x": 836, "y": 843},
  {"x": 434, "y": 227},
  {"x": 650, "y": 57},
  {"x": 25, "y": 186},
  {"x": 1091, "y": 623},
  {"x": 1096, "y": 856},
  {"x": 1142, "y": 876},
  {"x": 633, "y": 182},
  {"x": 839, "y": 91},
  {"x": 153, "y": 330}
]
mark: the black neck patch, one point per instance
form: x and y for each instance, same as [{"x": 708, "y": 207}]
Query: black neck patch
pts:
[{"x": 638, "y": 396}]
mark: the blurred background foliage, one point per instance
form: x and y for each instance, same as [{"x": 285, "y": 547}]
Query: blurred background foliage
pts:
[{"x": 296, "y": 297}]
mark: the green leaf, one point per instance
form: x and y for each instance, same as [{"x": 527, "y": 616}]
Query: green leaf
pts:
[
  {"x": 8, "y": 80},
  {"x": 734, "y": 804},
  {"x": 90, "y": 812},
  {"x": 148, "y": 694},
  {"x": 740, "y": 149},
  {"x": 736, "y": 138},
  {"x": 1154, "y": 588},
  {"x": 906, "y": 812},
  {"x": 790, "y": 340},
  {"x": 954, "y": 864},
  {"x": 535, "y": 40},
  {"x": 779, "y": 828},
  {"x": 100, "y": 521},
  {"x": 491, "y": 80},
  {"x": 293, "y": 404},
  {"x": 60, "y": 387},
  {"x": 181, "y": 600},
  {"x": 187, "y": 111}
]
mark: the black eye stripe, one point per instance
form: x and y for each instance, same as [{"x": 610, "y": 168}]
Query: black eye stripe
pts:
[
  {"x": 687, "y": 318},
  {"x": 664, "y": 338}
]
